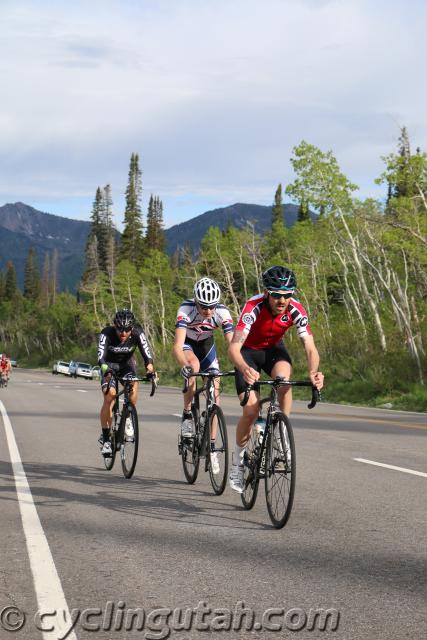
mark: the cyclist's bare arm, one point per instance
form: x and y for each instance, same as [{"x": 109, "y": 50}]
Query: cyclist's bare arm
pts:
[
  {"x": 313, "y": 361},
  {"x": 236, "y": 344},
  {"x": 180, "y": 335}
]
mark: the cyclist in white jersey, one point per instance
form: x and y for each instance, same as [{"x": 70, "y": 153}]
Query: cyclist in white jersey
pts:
[{"x": 194, "y": 346}]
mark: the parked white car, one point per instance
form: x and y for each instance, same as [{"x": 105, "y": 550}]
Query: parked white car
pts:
[
  {"x": 83, "y": 370},
  {"x": 61, "y": 367}
]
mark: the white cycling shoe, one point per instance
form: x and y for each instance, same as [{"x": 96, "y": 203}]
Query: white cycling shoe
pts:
[{"x": 236, "y": 479}]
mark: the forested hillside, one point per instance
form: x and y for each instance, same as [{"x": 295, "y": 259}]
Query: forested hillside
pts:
[{"x": 361, "y": 271}]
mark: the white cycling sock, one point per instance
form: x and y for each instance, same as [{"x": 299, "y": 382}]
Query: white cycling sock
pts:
[{"x": 239, "y": 453}]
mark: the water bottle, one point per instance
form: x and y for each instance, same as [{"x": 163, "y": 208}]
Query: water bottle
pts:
[
  {"x": 260, "y": 427},
  {"x": 202, "y": 421}
]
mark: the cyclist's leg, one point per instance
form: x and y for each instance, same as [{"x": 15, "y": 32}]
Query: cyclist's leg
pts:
[
  {"x": 279, "y": 363},
  {"x": 250, "y": 411},
  {"x": 109, "y": 396},
  {"x": 209, "y": 362},
  {"x": 191, "y": 361}
]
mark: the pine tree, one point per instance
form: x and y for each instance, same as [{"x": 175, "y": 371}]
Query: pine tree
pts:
[
  {"x": 106, "y": 230},
  {"x": 277, "y": 213},
  {"x": 132, "y": 239},
  {"x": 45, "y": 281},
  {"x": 53, "y": 286},
  {"x": 155, "y": 237},
  {"x": 2, "y": 284},
  {"x": 10, "y": 281},
  {"x": 31, "y": 276},
  {"x": 91, "y": 262}
]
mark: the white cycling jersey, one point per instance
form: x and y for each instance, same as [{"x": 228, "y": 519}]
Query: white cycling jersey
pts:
[{"x": 198, "y": 327}]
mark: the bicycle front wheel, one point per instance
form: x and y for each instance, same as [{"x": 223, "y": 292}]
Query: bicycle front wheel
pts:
[
  {"x": 250, "y": 472},
  {"x": 218, "y": 450},
  {"x": 280, "y": 470},
  {"x": 190, "y": 453},
  {"x": 130, "y": 439}
]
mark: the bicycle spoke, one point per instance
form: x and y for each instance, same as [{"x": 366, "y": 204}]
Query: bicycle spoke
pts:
[
  {"x": 218, "y": 475},
  {"x": 280, "y": 471},
  {"x": 189, "y": 451},
  {"x": 250, "y": 476},
  {"x": 130, "y": 440}
]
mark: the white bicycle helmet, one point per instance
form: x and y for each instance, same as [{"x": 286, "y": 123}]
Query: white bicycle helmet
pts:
[{"x": 207, "y": 291}]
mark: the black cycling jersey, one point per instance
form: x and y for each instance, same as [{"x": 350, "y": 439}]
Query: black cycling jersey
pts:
[{"x": 111, "y": 349}]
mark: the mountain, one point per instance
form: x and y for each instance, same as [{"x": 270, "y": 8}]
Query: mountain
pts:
[
  {"x": 238, "y": 215},
  {"x": 22, "y": 226}
]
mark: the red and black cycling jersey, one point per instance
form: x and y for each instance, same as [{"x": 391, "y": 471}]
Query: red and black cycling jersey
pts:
[
  {"x": 111, "y": 349},
  {"x": 263, "y": 330}
]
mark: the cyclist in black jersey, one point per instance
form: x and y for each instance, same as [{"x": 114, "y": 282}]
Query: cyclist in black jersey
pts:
[{"x": 116, "y": 348}]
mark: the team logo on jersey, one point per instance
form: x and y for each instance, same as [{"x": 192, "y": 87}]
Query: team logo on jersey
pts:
[
  {"x": 303, "y": 322},
  {"x": 101, "y": 346},
  {"x": 285, "y": 318},
  {"x": 248, "y": 318}
]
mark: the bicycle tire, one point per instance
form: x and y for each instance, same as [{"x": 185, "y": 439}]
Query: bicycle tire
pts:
[
  {"x": 129, "y": 444},
  {"x": 219, "y": 480},
  {"x": 190, "y": 451},
  {"x": 250, "y": 473},
  {"x": 109, "y": 461},
  {"x": 280, "y": 470}
]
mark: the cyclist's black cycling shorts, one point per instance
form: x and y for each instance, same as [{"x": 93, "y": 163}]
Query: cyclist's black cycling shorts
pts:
[
  {"x": 261, "y": 360},
  {"x": 122, "y": 371}
]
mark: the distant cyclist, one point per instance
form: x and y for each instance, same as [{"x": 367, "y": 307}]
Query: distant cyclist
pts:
[
  {"x": 194, "y": 346},
  {"x": 5, "y": 368},
  {"x": 116, "y": 348},
  {"x": 257, "y": 345}
]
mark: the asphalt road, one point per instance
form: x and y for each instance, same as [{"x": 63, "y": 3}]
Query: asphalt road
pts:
[{"x": 355, "y": 544}]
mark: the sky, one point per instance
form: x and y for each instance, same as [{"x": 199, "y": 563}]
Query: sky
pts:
[{"x": 212, "y": 94}]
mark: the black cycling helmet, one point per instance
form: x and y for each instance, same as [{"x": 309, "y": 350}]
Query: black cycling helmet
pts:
[
  {"x": 124, "y": 319},
  {"x": 279, "y": 279}
]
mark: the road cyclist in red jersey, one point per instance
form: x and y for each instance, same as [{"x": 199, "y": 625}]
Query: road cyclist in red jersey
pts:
[{"x": 257, "y": 345}]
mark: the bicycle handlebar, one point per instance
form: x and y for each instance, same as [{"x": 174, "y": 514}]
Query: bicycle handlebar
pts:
[
  {"x": 149, "y": 378},
  {"x": 207, "y": 374},
  {"x": 280, "y": 382}
]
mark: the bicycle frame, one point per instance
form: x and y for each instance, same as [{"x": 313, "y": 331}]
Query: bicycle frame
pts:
[
  {"x": 208, "y": 387},
  {"x": 274, "y": 407},
  {"x": 127, "y": 386}
]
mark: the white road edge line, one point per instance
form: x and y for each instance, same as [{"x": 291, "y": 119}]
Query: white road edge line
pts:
[
  {"x": 47, "y": 585},
  {"x": 82, "y": 390},
  {"x": 391, "y": 466},
  {"x": 178, "y": 415}
]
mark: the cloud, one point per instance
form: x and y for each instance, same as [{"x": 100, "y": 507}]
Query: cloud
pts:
[{"x": 213, "y": 95}]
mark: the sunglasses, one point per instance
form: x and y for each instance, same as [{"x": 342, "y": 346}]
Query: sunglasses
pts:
[
  {"x": 276, "y": 295},
  {"x": 207, "y": 307},
  {"x": 123, "y": 330}
]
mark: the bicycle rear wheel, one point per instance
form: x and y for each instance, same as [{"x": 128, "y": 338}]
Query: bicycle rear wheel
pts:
[
  {"x": 280, "y": 470},
  {"x": 219, "y": 479},
  {"x": 190, "y": 452},
  {"x": 130, "y": 439},
  {"x": 250, "y": 475},
  {"x": 109, "y": 462}
]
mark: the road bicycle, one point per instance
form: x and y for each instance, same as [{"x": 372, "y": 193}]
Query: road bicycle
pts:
[
  {"x": 208, "y": 421},
  {"x": 270, "y": 453},
  {"x": 124, "y": 434}
]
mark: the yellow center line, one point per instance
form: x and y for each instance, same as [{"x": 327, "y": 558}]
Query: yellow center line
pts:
[{"x": 352, "y": 418}]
